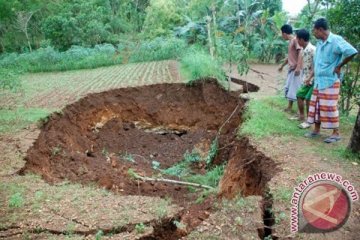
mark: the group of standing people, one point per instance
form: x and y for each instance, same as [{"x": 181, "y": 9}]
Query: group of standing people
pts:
[{"x": 313, "y": 78}]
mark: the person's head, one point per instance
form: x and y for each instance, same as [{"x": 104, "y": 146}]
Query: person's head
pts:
[
  {"x": 286, "y": 31},
  {"x": 321, "y": 28},
  {"x": 303, "y": 37}
]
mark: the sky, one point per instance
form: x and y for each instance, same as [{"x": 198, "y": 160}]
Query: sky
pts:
[{"x": 293, "y": 6}]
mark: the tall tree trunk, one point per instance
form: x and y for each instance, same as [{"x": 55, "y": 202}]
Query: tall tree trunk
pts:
[
  {"x": 211, "y": 48},
  {"x": 354, "y": 144},
  {"x": 28, "y": 40}
]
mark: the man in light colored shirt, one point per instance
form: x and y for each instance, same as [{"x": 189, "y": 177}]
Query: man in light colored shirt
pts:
[
  {"x": 332, "y": 53},
  {"x": 294, "y": 59}
]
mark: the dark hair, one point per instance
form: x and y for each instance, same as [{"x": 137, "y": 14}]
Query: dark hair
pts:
[
  {"x": 303, "y": 34},
  {"x": 286, "y": 28},
  {"x": 321, "y": 23}
]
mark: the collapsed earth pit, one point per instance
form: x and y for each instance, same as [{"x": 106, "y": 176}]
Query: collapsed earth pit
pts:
[{"x": 113, "y": 138}]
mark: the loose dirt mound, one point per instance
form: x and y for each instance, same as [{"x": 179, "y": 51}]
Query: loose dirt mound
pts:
[{"x": 100, "y": 137}]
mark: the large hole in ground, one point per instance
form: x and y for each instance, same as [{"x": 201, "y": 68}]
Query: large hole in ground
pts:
[{"x": 106, "y": 138}]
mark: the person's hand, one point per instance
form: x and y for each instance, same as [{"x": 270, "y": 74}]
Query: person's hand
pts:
[
  {"x": 337, "y": 71},
  {"x": 297, "y": 72},
  {"x": 280, "y": 68},
  {"x": 307, "y": 82}
]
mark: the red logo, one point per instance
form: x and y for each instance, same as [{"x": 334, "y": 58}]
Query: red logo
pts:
[{"x": 325, "y": 206}]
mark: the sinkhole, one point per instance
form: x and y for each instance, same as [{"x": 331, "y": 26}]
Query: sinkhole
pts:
[{"x": 125, "y": 140}]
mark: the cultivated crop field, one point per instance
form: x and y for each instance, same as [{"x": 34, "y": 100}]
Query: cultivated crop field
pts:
[{"x": 54, "y": 90}]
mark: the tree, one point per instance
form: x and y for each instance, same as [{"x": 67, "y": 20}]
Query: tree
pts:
[
  {"x": 354, "y": 144},
  {"x": 350, "y": 89},
  {"x": 162, "y": 16},
  {"x": 22, "y": 20}
]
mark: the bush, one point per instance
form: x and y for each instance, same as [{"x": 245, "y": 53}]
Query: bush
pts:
[
  {"x": 49, "y": 59},
  {"x": 197, "y": 64},
  {"x": 158, "y": 49}
]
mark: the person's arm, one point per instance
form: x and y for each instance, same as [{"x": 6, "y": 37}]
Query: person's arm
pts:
[
  {"x": 347, "y": 50},
  {"x": 299, "y": 62},
  {"x": 308, "y": 80},
  {"x": 337, "y": 69},
  {"x": 283, "y": 65}
]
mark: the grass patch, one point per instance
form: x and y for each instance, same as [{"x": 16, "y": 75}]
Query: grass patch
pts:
[
  {"x": 12, "y": 120},
  {"x": 265, "y": 118},
  {"x": 211, "y": 178}
]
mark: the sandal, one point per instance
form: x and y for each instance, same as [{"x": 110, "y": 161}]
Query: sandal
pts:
[
  {"x": 312, "y": 135},
  {"x": 332, "y": 139},
  {"x": 297, "y": 118},
  {"x": 304, "y": 125}
]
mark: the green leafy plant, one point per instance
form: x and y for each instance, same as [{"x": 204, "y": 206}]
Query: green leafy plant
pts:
[
  {"x": 140, "y": 228},
  {"x": 56, "y": 150},
  {"x": 192, "y": 157},
  {"x": 105, "y": 152},
  {"x": 128, "y": 157},
  {"x": 155, "y": 165},
  {"x": 179, "y": 225},
  {"x": 211, "y": 177},
  {"x": 16, "y": 200},
  {"x": 212, "y": 152},
  {"x": 99, "y": 235}
]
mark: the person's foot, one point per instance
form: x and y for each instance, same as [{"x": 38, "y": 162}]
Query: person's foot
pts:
[
  {"x": 332, "y": 139},
  {"x": 295, "y": 117},
  {"x": 312, "y": 134},
  {"x": 304, "y": 125}
]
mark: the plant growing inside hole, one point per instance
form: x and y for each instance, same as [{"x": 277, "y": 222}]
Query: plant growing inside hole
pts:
[
  {"x": 179, "y": 225},
  {"x": 132, "y": 174},
  {"x": 204, "y": 195},
  {"x": 212, "y": 152},
  {"x": 140, "y": 228},
  {"x": 105, "y": 152},
  {"x": 127, "y": 157},
  {"x": 56, "y": 150},
  {"x": 192, "y": 157},
  {"x": 155, "y": 165}
]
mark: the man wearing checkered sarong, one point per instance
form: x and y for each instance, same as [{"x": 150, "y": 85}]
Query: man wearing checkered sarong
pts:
[{"x": 332, "y": 53}]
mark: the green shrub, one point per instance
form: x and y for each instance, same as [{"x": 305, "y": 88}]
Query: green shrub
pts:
[
  {"x": 16, "y": 200},
  {"x": 198, "y": 65},
  {"x": 158, "y": 49},
  {"x": 48, "y": 59}
]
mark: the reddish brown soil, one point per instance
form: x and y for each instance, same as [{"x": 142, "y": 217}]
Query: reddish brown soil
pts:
[{"x": 86, "y": 143}]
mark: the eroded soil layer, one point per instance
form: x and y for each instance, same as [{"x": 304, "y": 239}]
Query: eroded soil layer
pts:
[{"x": 100, "y": 137}]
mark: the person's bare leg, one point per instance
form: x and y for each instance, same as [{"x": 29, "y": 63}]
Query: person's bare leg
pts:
[
  {"x": 336, "y": 132},
  {"x": 307, "y": 107},
  {"x": 317, "y": 127},
  {"x": 300, "y": 103},
  {"x": 289, "y": 108}
]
